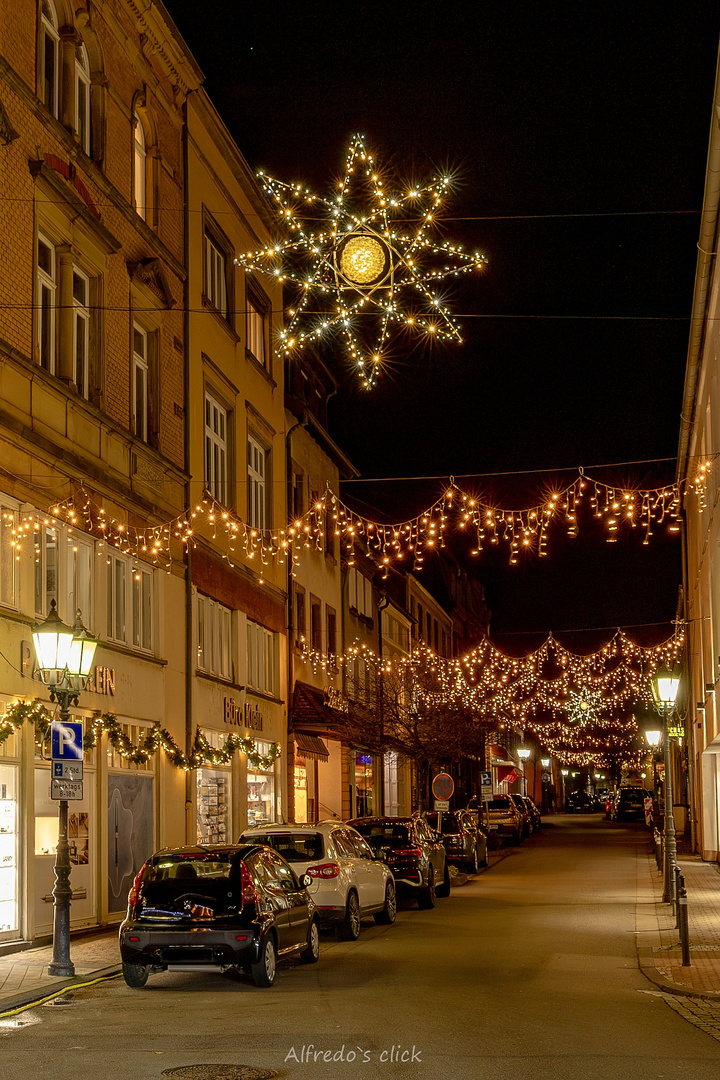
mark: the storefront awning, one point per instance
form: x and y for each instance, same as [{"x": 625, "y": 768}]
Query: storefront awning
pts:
[
  {"x": 310, "y": 714},
  {"x": 507, "y": 774},
  {"x": 311, "y": 746}
]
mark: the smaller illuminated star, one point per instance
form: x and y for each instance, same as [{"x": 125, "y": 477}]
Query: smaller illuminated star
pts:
[
  {"x": 362, "y": 262},
  {"x": 584, "y": 707}
]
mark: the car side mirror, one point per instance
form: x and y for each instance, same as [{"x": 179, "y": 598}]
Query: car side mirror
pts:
[{"x": 305, "y": 881}]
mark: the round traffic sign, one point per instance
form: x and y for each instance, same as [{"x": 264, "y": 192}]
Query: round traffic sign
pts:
[{"x": 443, "y": 785}]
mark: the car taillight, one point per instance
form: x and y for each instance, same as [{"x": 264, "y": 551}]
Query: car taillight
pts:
[
  {"x": 248, "y": 888},
  {"x": 416, "y": 851},
  {"x": 326, "y": 870},
  {"x": 133, "y": 894}
]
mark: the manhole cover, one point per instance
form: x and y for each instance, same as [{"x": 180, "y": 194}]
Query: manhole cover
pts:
[{"x": 221, "y": 1072}]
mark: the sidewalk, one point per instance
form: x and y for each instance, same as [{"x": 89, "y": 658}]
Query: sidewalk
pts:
[
  {"x": 24, "y": 977},
  {"x": 657, "y": 939}
]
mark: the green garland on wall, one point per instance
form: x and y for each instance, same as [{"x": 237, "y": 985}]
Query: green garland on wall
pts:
[{"x": 156, "y": 738}]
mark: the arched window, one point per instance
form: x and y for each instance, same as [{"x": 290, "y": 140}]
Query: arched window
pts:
[
  {"x": 49, "y": 56},
  {"x": 82, "y": 97},
  {"x": 140, "y": 169}
]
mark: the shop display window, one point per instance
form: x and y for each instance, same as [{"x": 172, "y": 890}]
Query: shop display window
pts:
[
  {"x": 261, "y": 797},
  {"x": 8, "y": 849},
  {"x": 213, "y": 806}
]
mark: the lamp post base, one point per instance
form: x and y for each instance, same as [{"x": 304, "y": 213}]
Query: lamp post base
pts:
[{"x": 61, "y": 964}]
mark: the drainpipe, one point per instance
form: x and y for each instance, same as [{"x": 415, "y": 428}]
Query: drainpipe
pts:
[
  {"x": 382, "y": 604},
  {"x": 190, "y": 835},
  {"x": 302, "y": 422},
  {"x": 705, "y": 264}
]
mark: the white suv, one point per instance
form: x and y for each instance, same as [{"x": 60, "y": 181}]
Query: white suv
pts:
[{"x": 348, "y": 881}]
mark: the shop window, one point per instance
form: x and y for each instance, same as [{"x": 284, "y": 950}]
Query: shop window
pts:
[
  {"x": 257, "y": 468},
  {"x": 214, "y": 819},
  {"x": 9, "y": 881},
  {"x": 262, "y": 659},
  {"x": 363, "y": 784},
  {"x": 216, "y": 449},
  {"x": 261, "y": 792},
  {"x": 214, "y": 623}
]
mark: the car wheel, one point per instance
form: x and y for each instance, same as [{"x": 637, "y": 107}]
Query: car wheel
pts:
[
  {"x": 472, "y": 864},
  {"x": 388, "y": 913},
  {"x": 135, "y": 975},
  {"x": 444, "y": 889},
  {"x": 426, "y": 896},
  {"x": 263, "y": 969},
  {"x": 311, "y": 954},
  {"x": 351, "y": 926}
]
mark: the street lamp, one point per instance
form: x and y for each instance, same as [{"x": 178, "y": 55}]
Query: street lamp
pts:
[
  {"x": 564, "y": 773},
  {"x": 524, "y": 753},
  {"x": 665, "y": 686},
  {"x": 546, "y": 784},
  {"x": 64, "y": 657}
]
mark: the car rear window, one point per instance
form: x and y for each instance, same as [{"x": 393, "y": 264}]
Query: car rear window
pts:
[
  {"x": 499, "y": 804},
  {"x": 635, "y": 796},
  {"x": 295, "y": 847},
  {"x": 188, "y": 868},
  {"x": 449, "y": 826},
  {"x": 385, "y": 836}
]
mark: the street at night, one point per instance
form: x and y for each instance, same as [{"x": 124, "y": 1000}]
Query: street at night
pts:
[{"x": 528, "y": 972}]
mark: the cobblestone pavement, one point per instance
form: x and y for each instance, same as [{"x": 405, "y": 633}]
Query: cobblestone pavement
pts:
[{"x": 658, "y": 941}]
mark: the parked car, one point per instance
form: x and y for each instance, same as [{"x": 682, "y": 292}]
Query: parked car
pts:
[
  {"x": 528, "y": 824},
  {"x": 349, "y": 882},
  {"x": 629, "y": 804},
  {"x": 505, "y": 821},
  {"x": 464, "y": 840},
  {"x": 414, "y": 853},
  {"x": 217, "y": 907},
  {"x": 533, "y": 811}
]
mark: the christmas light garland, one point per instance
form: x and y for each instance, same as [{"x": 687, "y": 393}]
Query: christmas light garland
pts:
[
  {"x": 370, "y": 265},
  {"x": 405, "y": 542},
  {"x": 140, "y": 752}
]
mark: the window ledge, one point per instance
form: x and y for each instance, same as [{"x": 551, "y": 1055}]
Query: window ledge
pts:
[
  {"x": 260, "y": 368},
  {"x": 264, "y": 695},
  {"x": 223, "y": 320}
]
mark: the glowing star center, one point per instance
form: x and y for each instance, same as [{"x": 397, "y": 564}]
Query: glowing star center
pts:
[{"x": 362, "y": 259}]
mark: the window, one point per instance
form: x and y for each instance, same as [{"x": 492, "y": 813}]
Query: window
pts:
[
  {"x": 8, "y": 525},
  {"x": 81, "y": 332},
  {"x": 257, "y": 474},
  {"x": 262, "y": 659},
  {"x": 215, "y": 275},
  {"x": 214, "y": 639},
  {"x": 329, "y": 534},
  {"x": 360, "y": 592},
  {"x": 129, "y": 603},
  {"x": 419, "y": 622},
  {"x": 257, "y": 308},
  {"x": 300, "y": 623},
  {"x": 46, "y": 302},
  {"x": 49, "y": 57},
  {"x": 78, "y": 578},
  {"x": 315, "y": 624},
  {"x": 216, "y": 449},
  {"x": 331, "y": 625},
  {"x": 140, "y": 382},
  {"x": 139, "y": 169},
  {"x": 298, "y": 492},
  {"x": 82, "y": 97}
]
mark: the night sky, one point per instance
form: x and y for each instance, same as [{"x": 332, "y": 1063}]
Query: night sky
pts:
[{"x": 578, "y": 135}]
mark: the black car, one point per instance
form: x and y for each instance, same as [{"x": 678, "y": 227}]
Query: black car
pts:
[
  {"x": 413, "y": 851},
  {"x": 579, "y": 802},
  {"x": 533, "y": 811},
  {"x": 629, "y": 804},
  {"x": 528, "y": 825},
  {"x": 216, "y": 907},
  {"x": 465, "y": 841}
]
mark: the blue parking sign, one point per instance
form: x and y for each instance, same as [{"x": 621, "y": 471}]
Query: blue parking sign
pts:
[
  {"x": 66, "y": 740},
  {"x": 485, "y": 779}
]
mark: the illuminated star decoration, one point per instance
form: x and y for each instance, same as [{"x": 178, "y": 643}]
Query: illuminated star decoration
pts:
[
  {"x": 584, "y": 707},
  {"x": 364, "y": 263}
]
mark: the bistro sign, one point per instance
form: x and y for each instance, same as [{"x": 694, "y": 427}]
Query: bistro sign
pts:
[{"x": 247, "y": 716}]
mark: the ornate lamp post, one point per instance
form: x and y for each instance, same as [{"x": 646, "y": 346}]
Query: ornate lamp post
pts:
[
  {"x": 524, "y": 753},
  {"x": 64, "y": 659},
  {"x": 564, "y": 773},
  {"x": 665, "y": 686}
]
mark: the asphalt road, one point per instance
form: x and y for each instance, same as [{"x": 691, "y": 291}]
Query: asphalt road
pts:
[{"x": 526, "y": 973}]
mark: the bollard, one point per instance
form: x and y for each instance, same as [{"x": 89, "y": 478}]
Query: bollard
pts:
[
  {"x": 677, "y": 878},
  {"x": 683, "y": 923},
  {"x": 659, "y": 849}
]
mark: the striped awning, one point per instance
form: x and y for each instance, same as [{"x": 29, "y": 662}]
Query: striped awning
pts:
[{"x": 311, "y": 746}]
